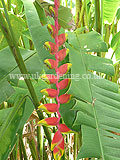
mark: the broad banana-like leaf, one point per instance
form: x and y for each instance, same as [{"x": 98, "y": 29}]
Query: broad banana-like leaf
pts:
[
  {"x": 6, "y": 90},
  {"x": 97, "y": 105},
  {"x": 10, "y": 125},
  {"x": 18, "y": 26},
  {"x": 38, "y": 32},
  {"x": 109, "y": 10},
  {"x": 10, "y": 71},
  {"x": 88, "y": 42}
]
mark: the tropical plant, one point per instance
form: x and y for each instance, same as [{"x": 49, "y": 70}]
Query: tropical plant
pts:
[{"x": 64, "y": 104}]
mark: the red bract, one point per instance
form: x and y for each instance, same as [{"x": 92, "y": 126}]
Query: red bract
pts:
[
  {"x": 64, "y": 129},
  {"x": 61, "y": 146},
  {"x": 51, "y": 47},
  {"x": 50, "y": 63},
  {"x": 62, "y": 38},
  {"x": 49, "y": 78},
  {"x": 57, "y": 139},
  {"x": 58, "y": 143},
  {"x": 64, "y": 83},
  {"x": 52, "y": 30},
  {"x": 49, "y": 108},
  {"x": 52, "y": 93},
  {"x": 52, "y": 121},
  {"x": 65, "y": 98},
  {"x": 62, "y": 54},
  {"x": 57, "y": 154},
  {"x": 64, "y": 68}
]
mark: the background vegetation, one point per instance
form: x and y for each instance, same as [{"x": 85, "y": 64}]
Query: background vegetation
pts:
[{"x": 93, "y": 28}]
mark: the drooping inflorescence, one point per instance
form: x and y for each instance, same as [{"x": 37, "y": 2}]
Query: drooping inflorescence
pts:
[{"x": 57, "y": 145}]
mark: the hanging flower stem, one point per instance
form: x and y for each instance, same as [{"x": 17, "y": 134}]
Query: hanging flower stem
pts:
[{"x": 57, "y": 145}]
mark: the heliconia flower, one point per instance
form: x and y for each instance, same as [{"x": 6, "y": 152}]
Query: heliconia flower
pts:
[
  {"x": 57, "y": 154},
  {"x": 64, "y": 129},
  {"x": 62, "y": 54},
  {"x": 52, "y": 30},
  {"x": 51, "y": 121},
  {"x": 51, "y": 47},
  {"x": 57, "y": 139},
  {"x": 62, "y": 38},
  {"x": 53, "y": 12},
  {"x": 64, "y": 68},
  {"x": 49, "y": 78},
  {"x": 65, "y": 98},
  {"x": 64, "y": 83},
  {"x": 50, "y": 63},
  {"x": 52, "y": 93},
  {"x": 49, "y": 108}
]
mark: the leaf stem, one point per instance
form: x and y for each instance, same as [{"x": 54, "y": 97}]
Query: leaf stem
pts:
[
  {"x": 75, "y": 146},
  {"x": 81, "y": 21},
  {"x": 77, "y": 14},
  {"x": 97, "y": 19},
  {"x": 41, "y": 143},
  {"x": 23, "y": 148},
  {"x": 16, "y": 147},
  {"x": 9, "y": 5},
  {"x": 97, "y": 16},
  {"x": 32, "y": 148},
  {"x": 71, "y": 4},
  {"x": 20, "y": 150}
]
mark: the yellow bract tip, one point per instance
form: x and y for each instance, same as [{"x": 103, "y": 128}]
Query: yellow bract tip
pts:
[
  {"x": 47, "y": 46},
  {"x": 42, "y": 122},
  {"x": 45, "y": 78},
  {"x": 44, "y": 92},
  {"x": 66, "y": 36},
  {"x": 49, "y": 26},
  {"x": 67, "y": 51},
  {"x": 69, "y": 65}
]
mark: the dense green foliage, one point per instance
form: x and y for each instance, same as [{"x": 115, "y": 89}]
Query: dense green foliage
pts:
[{"x": 94, "y": 51}]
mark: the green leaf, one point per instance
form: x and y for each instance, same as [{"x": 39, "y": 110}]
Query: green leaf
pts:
[
  {"x": 96, "y": 98},
  {"x": 38, "y": 33},
  {"x": 84, "y": 114},
  {"x": 64, "y": 15},
  {"x": 115, "y": 39},
  {"x": 25, "y": 110},
  {"x": 10, "y": 126},
  {"x": 18, "y": 5},
  {"x": 117, "y": 53},
  {"x": 6, "y": 90},
  {"x": 41, "y": 12},
  {"x": 80, "y": 77},
  {"x": 65, "y": 109},
  {"x": 109, "y": 10},
  {"x": 118, "y": 14},
  {"x": 90, "y": 143},
  {"x": 27, "y": 34},
  {"x": 11, "y": 70},
  {"x": 18, "y": 26},
  {"x": 88, "y": 42}
]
